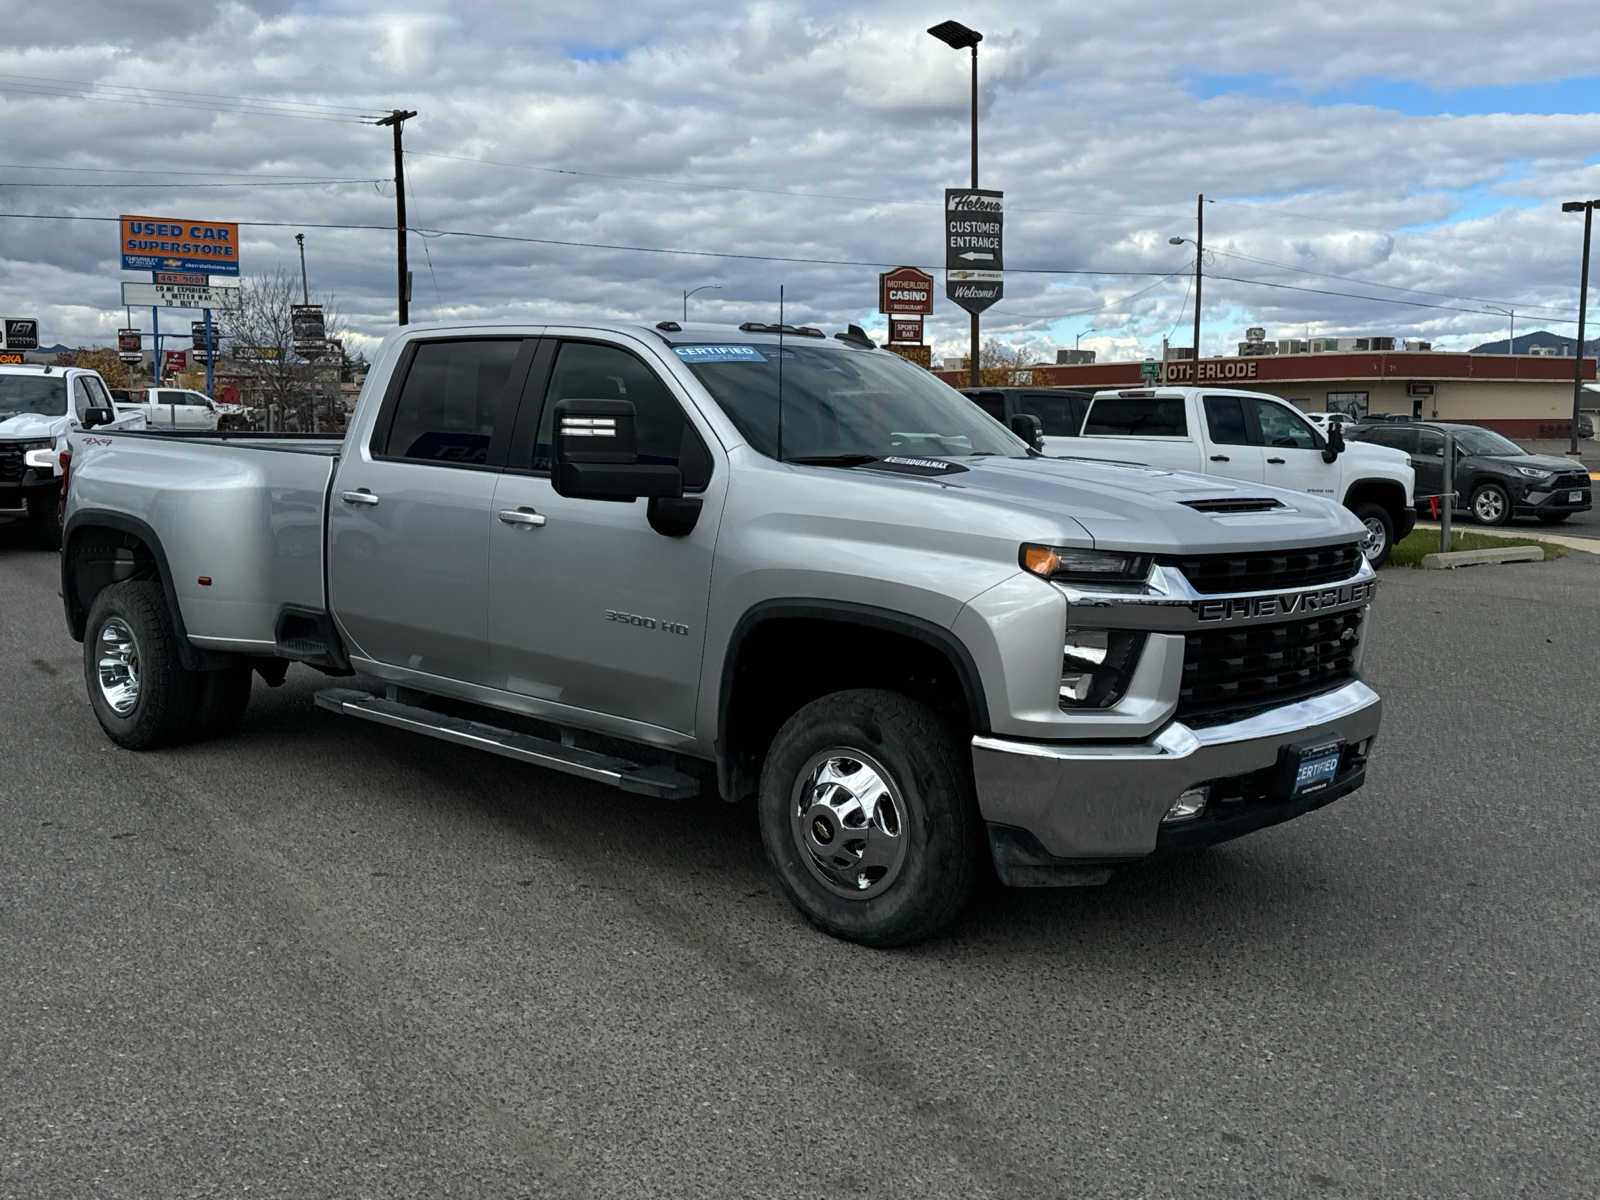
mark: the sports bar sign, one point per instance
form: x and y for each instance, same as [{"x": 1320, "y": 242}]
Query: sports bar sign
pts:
[{"x": 169, "y": 244}]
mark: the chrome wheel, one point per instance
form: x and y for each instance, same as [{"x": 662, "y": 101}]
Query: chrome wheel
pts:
[
  {"x": 1489, "y": 506},
  {"x": 118, "y": 666},
  {"x": 849, "y": 820},
  {"x": 1375, "y": 540}
]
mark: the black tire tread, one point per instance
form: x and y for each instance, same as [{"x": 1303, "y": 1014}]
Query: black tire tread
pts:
[
  {"x": 1373, "y": 509},
  {"x": 943, "y": 778},
  {"x": 163, "y": 714}
]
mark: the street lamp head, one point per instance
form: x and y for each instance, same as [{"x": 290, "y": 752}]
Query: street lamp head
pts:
[
  {"x": 1176, "y": 241},
  {"x": 1574, "y": 206},
  {"x": 955, "y": 35}
]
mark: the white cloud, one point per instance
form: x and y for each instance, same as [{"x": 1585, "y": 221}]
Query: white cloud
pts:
[{"x": 844, "y": 125}]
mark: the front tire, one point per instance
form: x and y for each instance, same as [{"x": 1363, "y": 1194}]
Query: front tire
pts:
[
  {"x": 1378, "y": 540},
  {"x": 868, "y": 817},
  {"x": 139, "y": 690},
  {"x": 1491, "y": 505}
]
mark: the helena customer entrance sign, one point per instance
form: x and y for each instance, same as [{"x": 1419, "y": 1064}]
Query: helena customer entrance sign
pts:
[{"x": 974, "y": 247}]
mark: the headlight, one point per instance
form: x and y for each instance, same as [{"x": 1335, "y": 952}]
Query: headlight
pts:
[
  {"x": 1535, "y": 473},
  {"x": 40, "y": 455},
  {"x": 1084, "y": 566}
]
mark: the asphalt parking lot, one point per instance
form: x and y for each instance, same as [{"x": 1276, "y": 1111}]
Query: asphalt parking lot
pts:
[{"x": 329, "y": 959}]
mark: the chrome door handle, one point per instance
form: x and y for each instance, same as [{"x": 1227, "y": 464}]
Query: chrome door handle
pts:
[
  {"x": 521, "y": 516},
  {"x": 361, "y": 496}
]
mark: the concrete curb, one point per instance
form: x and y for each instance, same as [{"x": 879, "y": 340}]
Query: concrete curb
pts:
[
  {"x": 1585, "y": 544},
  {"x": 1444, "y": 560}
]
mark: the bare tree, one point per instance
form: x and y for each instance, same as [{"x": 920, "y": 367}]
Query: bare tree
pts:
[
  {"x": 271, "y": 373},
  {"x": 112, "y": 369}
]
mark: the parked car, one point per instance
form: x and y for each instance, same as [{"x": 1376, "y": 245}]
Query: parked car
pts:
[
  {"x": 38, "y": 405},
  {"x": 172, "y": 408},
  {"x": 795, "y": 570},
  {"x": 1382, "y": 418},
  {"x": 1325, "y": 421},
  {"x": 1495, "y": 479},
  {"x": 1059, "y": 411},
  {"x": 1258, "y": 439}
]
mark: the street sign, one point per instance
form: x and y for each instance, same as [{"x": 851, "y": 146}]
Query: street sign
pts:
[
  {"x": 973, "y": 220},
  {"x": 921, "y": 355},
  {"x": 1150, "y": 370},
  {"x": 256, "y": 353},
  {"x": 310, "y": 334},
  {"x": 19, "y": 333},
  {"x": 168, "y": 244},
  {"x": 905, "y": 291},
  {"x": 169, "y": 295},
  {"x": 173, "y": 361},
  {"x": 905, "y": 329},
  {"x": 129, "y": 342}
]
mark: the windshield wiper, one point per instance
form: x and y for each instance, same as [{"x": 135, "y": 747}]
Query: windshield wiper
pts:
[{"x": 833, "y": 460}]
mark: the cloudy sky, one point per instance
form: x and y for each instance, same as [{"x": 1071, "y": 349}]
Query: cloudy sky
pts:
[{"x": 620, "y": 153}]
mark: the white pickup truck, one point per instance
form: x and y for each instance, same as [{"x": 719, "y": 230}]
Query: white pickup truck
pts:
[
  {"x": 172, "y": 408},
  {"x": 1254, "y": 438},
  {"x": 38, "y": 405}
]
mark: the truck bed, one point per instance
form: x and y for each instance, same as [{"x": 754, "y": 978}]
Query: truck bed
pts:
[{"x": 250, "y": 439}]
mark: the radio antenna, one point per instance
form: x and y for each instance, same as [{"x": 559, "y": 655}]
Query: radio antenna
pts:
[{"x": 780, "y": 372}]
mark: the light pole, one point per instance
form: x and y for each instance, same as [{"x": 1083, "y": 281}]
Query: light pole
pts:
[
  {"x": 958, "y": 37},
  {"x": 1199, "y": 242},
  {"x": 692, "y": 291},
  {"x": 1586, "y": 207},
  {"x": 305, "y": 292}
]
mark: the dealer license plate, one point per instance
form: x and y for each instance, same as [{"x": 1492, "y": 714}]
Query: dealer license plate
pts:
[
  {"x": 1317, "y": 768},
  {"x": 1574, "y": 497}
]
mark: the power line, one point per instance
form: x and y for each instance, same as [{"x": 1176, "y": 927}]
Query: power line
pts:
[
  {"x": 1267, "y": 262},
  {"x": 45, "y": 183},
  {"x": 174, "y": 94},
  {"x": 154, "y": 171},
  {"x": 231, "y": 109},
  {"x": 831, "y": 262}
]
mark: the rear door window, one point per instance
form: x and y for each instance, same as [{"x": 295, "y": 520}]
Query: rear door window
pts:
[
  {"x": 452, "y": 408},
  {"x": 1225, "y": 421},
  {"x": 1137, "y": 416}
]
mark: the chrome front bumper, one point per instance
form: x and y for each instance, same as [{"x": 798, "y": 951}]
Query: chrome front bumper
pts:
[{"x": 1077, "y": 805}]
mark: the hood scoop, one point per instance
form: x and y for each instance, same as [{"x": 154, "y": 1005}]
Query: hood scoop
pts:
[{"x": 1233, "y": 504}]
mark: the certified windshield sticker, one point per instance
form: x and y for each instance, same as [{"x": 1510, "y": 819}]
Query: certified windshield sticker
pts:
[{"x": 700, "y": 354}]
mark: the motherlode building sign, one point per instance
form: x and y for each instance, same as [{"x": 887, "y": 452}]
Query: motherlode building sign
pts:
[{"x": 169, "y": 244}]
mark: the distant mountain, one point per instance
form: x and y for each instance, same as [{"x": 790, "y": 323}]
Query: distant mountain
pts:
[{"x": 1527, "y": 341}]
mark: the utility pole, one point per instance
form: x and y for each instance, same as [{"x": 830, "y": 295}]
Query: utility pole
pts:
[
  {"x": 1199, "y": 253},
  {"x": 397, "y": 118},
  {"x": 1587, "y": 208},
  {"x": 305, "y": 293}
]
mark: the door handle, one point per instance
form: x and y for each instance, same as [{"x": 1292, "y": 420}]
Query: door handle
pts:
[
  {"x": 521, "y": 516},
  {"x": 1276, "y": 461},
  {"x": 359, "y": 496},
  {"x": 1219, "y": 458}
]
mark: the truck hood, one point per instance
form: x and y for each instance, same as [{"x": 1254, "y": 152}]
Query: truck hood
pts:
[
  {"x": 1125, "y": 506},
  {"x": 1396, "y": 461},
  {"x": 31, "y": 425},
  {"x": 1541, "y": 462}
]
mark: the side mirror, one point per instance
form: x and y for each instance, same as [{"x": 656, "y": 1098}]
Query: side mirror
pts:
[
  {"x": 594, "y": 456},
  {"x": 1335, "y": 445},
  {"x": 97, "y": 416},
  {"x": 1029, "y": 428}
]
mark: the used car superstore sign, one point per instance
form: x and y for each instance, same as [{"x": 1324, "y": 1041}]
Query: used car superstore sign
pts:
[{"x": 164, "y": 243}]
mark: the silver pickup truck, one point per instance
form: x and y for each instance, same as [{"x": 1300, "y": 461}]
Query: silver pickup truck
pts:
[{"x": 759, "y": 562}]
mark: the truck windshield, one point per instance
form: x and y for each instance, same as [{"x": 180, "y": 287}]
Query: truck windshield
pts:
[
  {"x": 844, "y": 406},
  {"x": 42, "y": 394}
]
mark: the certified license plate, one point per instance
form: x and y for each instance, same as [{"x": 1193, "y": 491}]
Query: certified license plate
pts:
[
  {"x": 1574, "y": 497},
  {"x": 1318, "y": 766}
]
